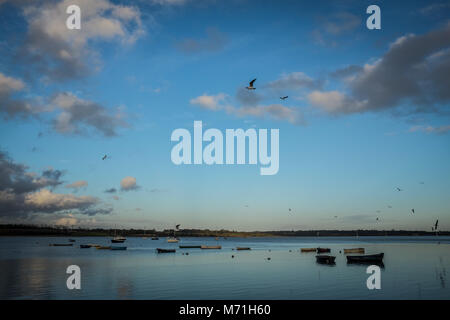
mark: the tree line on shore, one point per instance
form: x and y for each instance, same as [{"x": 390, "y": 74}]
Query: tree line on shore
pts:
[{"x": 44, "y": 230}]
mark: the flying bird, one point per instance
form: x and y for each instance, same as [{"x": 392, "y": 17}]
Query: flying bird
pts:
[
  {"x": 177, "y": 227},
  {"x": 436, "y": 225},
  {"x": 390, "y": 207},
  {"x": 412, "y": 210},
  {"x": 250, "y": 86},
  {"x": 378, "y": 219},
  {"x": 398, "y": 189},
  {"x": 104, "y": 157},
  {"x": 290, "y": 209},
  {"x": 283, "y": 98}
]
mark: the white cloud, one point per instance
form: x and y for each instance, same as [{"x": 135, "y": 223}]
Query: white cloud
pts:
[
  {"x": 68, "y": 221},
  {"x": 77, "y": 184},
  {"x": 44, "y": 200},
  {"x": 60, "y": 53},
  {"x": 430, "y": 129},
  {"x": 78, "y": 114},
  {"x": 294, "y": 81},
  {"x": 128, "y": 184},
  {"x": 272, "y": 111},
  {"x": 9, "y": 84},
  {"x": 212, "y": 102}
]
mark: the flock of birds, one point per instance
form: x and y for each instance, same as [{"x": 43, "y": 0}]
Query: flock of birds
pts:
[{"x": 252, "y": 87}]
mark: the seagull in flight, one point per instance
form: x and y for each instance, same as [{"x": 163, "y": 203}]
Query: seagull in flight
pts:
[
  {"x": 378, "y": 219},
  {"x": 177, "y": 226},
  {"x": 398, "y": 189},
  {"x": 412, "y": 210},
  {"x": 436, "y": 225},
  {"x": 104, "y": 157},
  {"x": 283, "y": 98},
  {"x": 250, "y": 85}
]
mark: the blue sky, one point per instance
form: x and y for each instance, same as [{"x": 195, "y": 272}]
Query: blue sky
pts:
[{"x": 368, "y": 111}]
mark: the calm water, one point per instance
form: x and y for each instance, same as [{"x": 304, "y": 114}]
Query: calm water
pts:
[{"x": 414, "y": 268}]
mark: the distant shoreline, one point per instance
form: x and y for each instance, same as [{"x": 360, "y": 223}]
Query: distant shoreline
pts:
[{"x": 31, "y": 230}]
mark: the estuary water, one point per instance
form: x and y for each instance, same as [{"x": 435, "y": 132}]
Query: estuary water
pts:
[{"x": 414, "y": 268}]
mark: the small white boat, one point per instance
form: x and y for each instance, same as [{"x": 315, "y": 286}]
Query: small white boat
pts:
[
  {"x": 118, "y": 240},
  {"x": 172, "y": 240}
]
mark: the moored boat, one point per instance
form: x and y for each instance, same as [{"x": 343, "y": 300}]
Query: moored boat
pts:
[
  {"x": 354, "y": 250},
  {"x": 103, "y": 247},
  {"x": 323, "y": 250},
  {"x": 118, "y": 240},
  {"x": 155, "y": 238},
  {"x": 118, "y": 248},
  {"x": 371, "y": 258},
  {"x": 211, "y": 247},
  {"x": 172, "y": 240},
  {"x": 189, "y": 247},
  {"x": 85, "y": 246},
  {"x": 325, "y": 259},
  {"x": 243, "y": 248},
  {"x": 72, "y": 240},
  {"x": 308, "y": 249},
  {"x": 160, "y": 250}
]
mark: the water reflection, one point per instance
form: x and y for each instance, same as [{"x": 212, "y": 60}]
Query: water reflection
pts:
[{"x": 38, "y": 271}]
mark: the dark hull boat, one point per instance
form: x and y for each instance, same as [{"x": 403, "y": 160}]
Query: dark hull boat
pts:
[
  {"x": 159, "y": 250},
  {"x": 190, "y": 247},
  {"x": 243, "y": 248},
  {"x": 323, "y": 250},
  {"x": 372, "y": 258},
  {"x": 117, "y": 241},
  {"x": 85, "y": 246},
  {"x": 324, "y": 259},
  {"x": 61, "y": 244},
  {"x": 155, "y": 238}
]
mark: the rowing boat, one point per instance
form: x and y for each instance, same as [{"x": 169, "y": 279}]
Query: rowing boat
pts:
[
  {"x": 354, "y": 250},
  {"x": 325, "y": 259},
  {"x": 308, "y": 249},
  {"x": 159, "y": 250},
  {"x": 190, "y": 247},
  {"x": 243, "y": 248},
  {"x": 366, "y": 259},
  {"x": 323, "y": 250},
  {"x": 103, "y": 247},
  {"x": 211, "y": 247}
]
